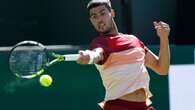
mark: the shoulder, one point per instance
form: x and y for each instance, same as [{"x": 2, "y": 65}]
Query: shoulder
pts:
[
  {"x": 98, "y": 42},
  {"x": 130, "y": 36},
  {"x": 96, "y": 39},
  {"x": 136, "y": 41}
]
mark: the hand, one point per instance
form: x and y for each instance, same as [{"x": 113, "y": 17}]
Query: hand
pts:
[
  {"x": 83, "y": 57},
  {"x": 162, "y": 29}
]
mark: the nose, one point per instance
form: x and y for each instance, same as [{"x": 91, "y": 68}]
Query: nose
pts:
[{"x": 99, "y": 19}]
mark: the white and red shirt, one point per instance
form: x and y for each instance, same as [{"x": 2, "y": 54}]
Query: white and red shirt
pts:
[{"x": 122, "y": 70}]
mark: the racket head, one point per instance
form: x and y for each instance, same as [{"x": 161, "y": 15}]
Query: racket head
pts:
[{"x": 27, "y": 59}]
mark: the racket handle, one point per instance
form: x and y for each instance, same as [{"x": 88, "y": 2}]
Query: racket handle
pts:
[{"x": 71, "y": 57}]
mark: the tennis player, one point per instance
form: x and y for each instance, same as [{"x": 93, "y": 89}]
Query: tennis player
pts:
[{"x": 122, "y": 60}]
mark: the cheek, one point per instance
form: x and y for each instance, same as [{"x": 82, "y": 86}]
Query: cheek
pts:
[
  {"x": 107, "y": 22},
  {"x": 93, "y": 23},
  {"x": 107, "y": 19}
]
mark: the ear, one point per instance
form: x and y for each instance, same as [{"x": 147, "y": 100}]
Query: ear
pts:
[{"x": 113, "y": 13}]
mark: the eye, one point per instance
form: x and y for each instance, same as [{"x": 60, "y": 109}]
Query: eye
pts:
[
  {"x": 102, "y": 13},
  {"x": 93, "y": 16}
]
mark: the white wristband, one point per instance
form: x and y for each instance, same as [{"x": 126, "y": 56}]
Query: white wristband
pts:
[
  {"x": 92, "y": 55},
  {"x": 91, "y": 58}
]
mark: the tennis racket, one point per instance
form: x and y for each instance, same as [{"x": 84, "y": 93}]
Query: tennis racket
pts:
[{"x": 28, "y": 59}]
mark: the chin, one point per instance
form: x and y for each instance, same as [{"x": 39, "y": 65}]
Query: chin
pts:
[{"x": 103, "y": 32}]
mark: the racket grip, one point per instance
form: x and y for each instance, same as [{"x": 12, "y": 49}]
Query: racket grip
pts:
[{"x": 71, "y": 57}]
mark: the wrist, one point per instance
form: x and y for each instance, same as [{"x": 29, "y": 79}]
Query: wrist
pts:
[
  {"x": 92, "y": 56},
  {"x": 164, "y": 39}
]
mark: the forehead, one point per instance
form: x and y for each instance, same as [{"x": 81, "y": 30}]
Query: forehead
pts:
[{"x": 97, "y": 9}]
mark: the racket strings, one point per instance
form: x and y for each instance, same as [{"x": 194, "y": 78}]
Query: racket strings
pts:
[{"x": 27, "y": 60}]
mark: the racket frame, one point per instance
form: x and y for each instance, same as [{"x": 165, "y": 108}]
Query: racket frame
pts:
[
  {"x": 57, "y": 58},
  {"x": 39, "y": 72}
]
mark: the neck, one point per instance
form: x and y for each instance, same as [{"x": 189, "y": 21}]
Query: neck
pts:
[{"x": 113, "y": 32}]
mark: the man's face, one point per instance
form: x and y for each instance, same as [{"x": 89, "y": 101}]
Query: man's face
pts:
[{"x": 102, "y": 19}]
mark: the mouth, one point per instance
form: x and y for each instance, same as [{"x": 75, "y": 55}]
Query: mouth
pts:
[{"x": 101, "y": 25}]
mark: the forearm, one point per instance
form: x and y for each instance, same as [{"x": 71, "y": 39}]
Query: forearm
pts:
[{"x": 164, "y": 56}]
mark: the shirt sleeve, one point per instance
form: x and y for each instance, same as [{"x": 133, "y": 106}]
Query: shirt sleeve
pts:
[
  {"x": 143, "y": 46},
  {"x": 99, "y": 43}
]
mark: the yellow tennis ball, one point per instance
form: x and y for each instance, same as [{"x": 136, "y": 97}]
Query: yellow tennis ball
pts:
[{"x": 45, "y": 80}]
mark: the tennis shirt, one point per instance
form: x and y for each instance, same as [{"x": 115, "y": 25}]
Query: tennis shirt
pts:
[{"x": 122, "y": 70}]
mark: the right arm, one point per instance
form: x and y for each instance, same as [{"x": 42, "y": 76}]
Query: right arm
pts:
[{"x": 95, "y": 55}]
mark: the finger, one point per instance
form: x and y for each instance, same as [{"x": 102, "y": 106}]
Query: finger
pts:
[
  {"x": 163, "y": 24},
  {"x": 81, "y": 52},
  {"x": 155, "y": 23},
  {"x": 80, "y": 59},
  {"x": 157, "y": 27}
]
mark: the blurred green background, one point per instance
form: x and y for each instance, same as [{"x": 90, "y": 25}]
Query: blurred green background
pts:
[
  {"x": 60, "y": 22},
  {"x": 66, "y": 21},
  {"x": 76, "y": 87}
]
